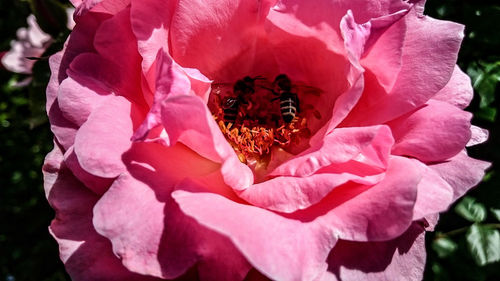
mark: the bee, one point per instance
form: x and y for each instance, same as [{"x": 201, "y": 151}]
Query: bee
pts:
[
  {"x": 241, "y": 91},
  {"x": 289, "y": 102}
]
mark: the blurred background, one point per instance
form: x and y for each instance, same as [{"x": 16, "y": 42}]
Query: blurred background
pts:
[{"x": 465, "y": 245}]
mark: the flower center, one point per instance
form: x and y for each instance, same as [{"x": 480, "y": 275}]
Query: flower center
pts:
[{"x": 256, "y": 115}]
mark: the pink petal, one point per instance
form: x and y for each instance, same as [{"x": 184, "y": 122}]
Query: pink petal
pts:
[
  {"x": 429, "y": 56},
  {"x": 102, "y": 155},
  {"x": 371, "y": 213},
  {"x": 170, "y": 79},
  {"x": 105, "y": 77},
  {"x": 308, "y": 59},
  {"x": 99, "y": 6},
  {"x": 78, "y": 100},
  {"x": 36, "y": 37},
  {"x": 115, "y": 42},
  {"x": 167, "y": 243},
  {"x": 289, "y": 194},
  {"x": 79, "y": 41},
  {"x": 86, "y": 255},
  {"x": 71, "y": 23},
  {"x": 305, "y": 179},
  {"x": 461, "y": 172},
  {"x": 432, "y": 133},
  {"x": 76, "y": 3},
  {"x": 340, "y": 146},
  {"x": 64, "y": 130},
  {"x": 322, "y": 18},
  {"x": 198, "y": 131},
  {"x": 150, "y": 23},
  {"x": 400, "y": 259},
  {"x": 434, "y": 195},
  {"x": 53, "y": 85},
  {"x": 384, "y": 50},
  {"x": 15, "y": 59},
  {"x": 31, "y": 41},
  {"x": 355, "y": 37},
  {"x": 207, "y": 35},
  {"x": 298, "y": 255},
  {"x": 478, "y": 135},
  {"x": 458, "y": 91},
  {"x": 358, "y": 38},
  {"x": 97, "y": 184}
]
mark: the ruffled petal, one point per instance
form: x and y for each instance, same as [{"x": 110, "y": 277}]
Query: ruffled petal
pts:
[
  {"x": 167, "y": 243},
  {"x": 115, "y": 43},
  {"x": 289, "y": 194},
  {"x": 80, "y": 41},
  {"x": 280, "y": 248},
  {"x": 102, "y": 155},
  {"x": 478, "y": 135},
  {"x": 111, "y": 7},
  {"x": 432, "y": 133},
  {"x": 370, "y": 213},
  {"x": 347, "y": 154},
  {"x": 97, "y": 184},
  {"x": 104, "y": 77},
  {"x": 77, "y": 100},
  {"x": 434, "y": 195},
  {"x": 322, "y": 18},
  {"x": 86, "y": 254},
  {"x": 384, "y": 50},
  {"x": 461, "y": 172},
  {"x": 422, "y": 73},
  {"x": 170, "y": 80},
  {"x": 340, "y": 146},
  {"x": 150, "y": 23},
  {"x": 207, "y": 35},
  {"x": 458, "y": 91},
  {"x": 63, "y": 129},
  {"x": 400, "y": 259}
]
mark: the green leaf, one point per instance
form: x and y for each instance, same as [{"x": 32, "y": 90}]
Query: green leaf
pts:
[
  {"x": 496, "y": 213},
  {"x": 485, "y": 77},
  {"x": 444, "y": 247},
  {"x": 484, "y": 244},
  {"x": 470, "y": 210},
  {"x": 440, "y": 272}
]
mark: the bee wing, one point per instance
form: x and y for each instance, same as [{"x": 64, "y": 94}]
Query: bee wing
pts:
[
  {"x": 221, "y": 88},
  {"x": 229, "y": 102},
  {"x": 263, "y": 82},
  {"x": 308, "y": 90}
]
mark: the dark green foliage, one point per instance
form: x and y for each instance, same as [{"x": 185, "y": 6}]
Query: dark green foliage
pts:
[
  {"x": 469, "y": 224},
  {"x": 484, "y": 243},
  {"x": 470, "y": 210},
  {"x": 28, "y": 252}
]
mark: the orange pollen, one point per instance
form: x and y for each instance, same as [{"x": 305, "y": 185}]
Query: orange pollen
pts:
[
  {"x": 253, "y": 123},
  {"x": 256, "y": 142}
]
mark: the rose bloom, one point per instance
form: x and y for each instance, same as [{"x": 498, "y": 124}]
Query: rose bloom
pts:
[
  {"x": 178, "y": 154},
  {"x": 31, "y": 43}
]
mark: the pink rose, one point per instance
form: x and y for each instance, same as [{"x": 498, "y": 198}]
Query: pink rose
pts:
[
  {"x": 169, "y": 163},
  {"x": 31, "y": 43}
]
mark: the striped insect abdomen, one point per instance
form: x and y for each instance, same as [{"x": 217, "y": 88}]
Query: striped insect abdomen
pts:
[
  {"x": 288, "y": 106},
  {"x": 231, "y": 108}
]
